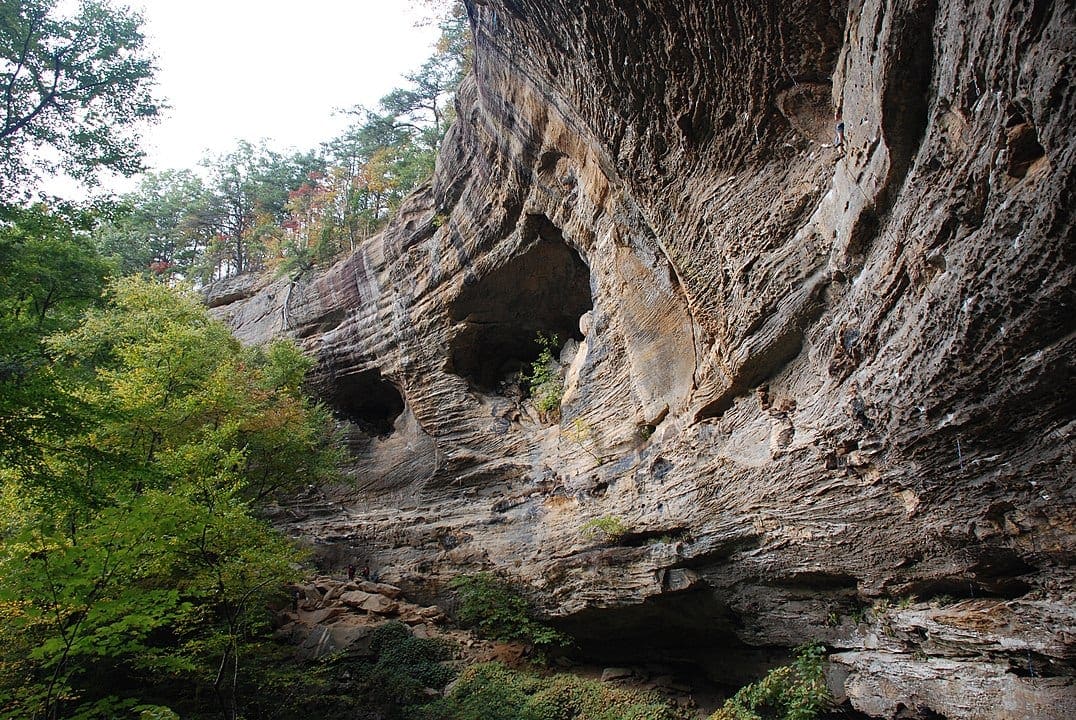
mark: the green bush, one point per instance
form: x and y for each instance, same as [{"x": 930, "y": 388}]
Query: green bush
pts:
[
  {"x": 489, "y": 691},
  {"x": 568, "y": 697},
  {"x": 790, "y": 692},
  {"x": 543, "y": 382},
  {"x": 606, "y": 527},
  {"x": 344, "y": 686},
  {"x": 494, "y": 692},
  {"x": 498, "y": 611},
  {"x": 405, "y": 666}
]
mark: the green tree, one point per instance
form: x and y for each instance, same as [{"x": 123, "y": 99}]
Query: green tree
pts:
[
  {"x": 163, "y": 227},
  {"x": 368, "y": 186},
  {"x": 78, "y": 85},
  {"x": 49, "y": 275},
  {"x": 425, "y": 106},
  {"x": 234, "y": 186},
  {"x": 250, "y": 187},
  {"x": 50, "y": 271},
  {"x": 312, "y": 233},
  {"x": 132, "y": 564},
  {"x": 388, "y": 152}
]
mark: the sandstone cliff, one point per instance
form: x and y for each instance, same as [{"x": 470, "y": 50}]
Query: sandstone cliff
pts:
[{"x": 810, "y": 382}]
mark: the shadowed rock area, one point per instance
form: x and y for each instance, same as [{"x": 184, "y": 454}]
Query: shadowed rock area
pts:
[
  {"x": 367, "y": 401},
  {"x": 544, "y": 289},
  {"x": 827, "y": 391}
]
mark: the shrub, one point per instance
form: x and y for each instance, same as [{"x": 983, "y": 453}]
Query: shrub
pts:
[
  {"x": 494, "y": 692},
  {"x": 346, "y": 686},
  {"x": 489, "y": 691},
  {"x": 498, "y": 611},
  {"x": 790, "y": 692},
  {"x": 543, "y": 382},
  {"x": 568, "y": 697},
  {"x": 405, "y": 665},
  {"x": 607, "y": 527}
]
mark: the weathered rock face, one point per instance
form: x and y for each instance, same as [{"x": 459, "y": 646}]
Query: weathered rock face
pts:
[{"x": 806, "y": 379}]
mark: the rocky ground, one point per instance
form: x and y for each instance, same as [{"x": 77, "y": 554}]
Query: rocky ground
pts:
[{"x": 332, "y": 615}]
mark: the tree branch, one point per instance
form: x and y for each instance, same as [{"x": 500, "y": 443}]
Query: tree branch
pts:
[
  {"x": 50, "y": 96},
  {"x": 9, "y": 92}
]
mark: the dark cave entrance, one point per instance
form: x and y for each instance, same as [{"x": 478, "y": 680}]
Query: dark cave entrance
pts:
[
  {"x": 367, "y": 400},
  {"x": 544, "y": 290},
  {"x": 690, "y": 635}
]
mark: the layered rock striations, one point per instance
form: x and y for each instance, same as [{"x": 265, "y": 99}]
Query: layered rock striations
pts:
[{"x": 826, "y": 393}]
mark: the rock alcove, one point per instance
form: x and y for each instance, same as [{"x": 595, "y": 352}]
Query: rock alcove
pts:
[
  {"x": 367, "y": 400},
  {"x": 545, "y": 289}
]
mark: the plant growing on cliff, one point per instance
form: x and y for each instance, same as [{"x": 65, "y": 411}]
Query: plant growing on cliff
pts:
[
  {"x": 543, "y": 381},
  {"x": 607, "y": 527},
  {"x": 582, "y": 434},
  {"x": 497, "y": 610},
  {"x": 791, "y": 692}
]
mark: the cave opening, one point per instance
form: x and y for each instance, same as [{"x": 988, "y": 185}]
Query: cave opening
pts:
[
  {"x": 696, "y": 641},
  {"x": 498, "y": 318},
  {"x": 367, "y": 400}
]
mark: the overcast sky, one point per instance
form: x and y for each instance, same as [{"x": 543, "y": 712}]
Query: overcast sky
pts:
[{"x": 253, "y": 69}]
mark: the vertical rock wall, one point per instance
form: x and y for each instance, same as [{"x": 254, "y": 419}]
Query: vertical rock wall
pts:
[{"x": 828, "y": 391}]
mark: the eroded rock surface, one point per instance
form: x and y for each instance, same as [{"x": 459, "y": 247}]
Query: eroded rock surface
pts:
[
  {"x": 331, "y": 615},
  {"x": 807, "y": 380}
]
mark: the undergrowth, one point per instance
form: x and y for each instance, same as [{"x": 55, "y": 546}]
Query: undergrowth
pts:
[
  {"x": 492, "y": 691},
  {"x": 791, "y": 692},
  {"x": 391, "y": 680},
  {"x": 498, "y": 611}
]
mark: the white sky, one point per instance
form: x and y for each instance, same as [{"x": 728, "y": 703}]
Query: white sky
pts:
[{"x": 254, "y": 69}]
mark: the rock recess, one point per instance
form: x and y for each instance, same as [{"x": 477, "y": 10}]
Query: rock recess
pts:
[{"x": 828, "y": 392}]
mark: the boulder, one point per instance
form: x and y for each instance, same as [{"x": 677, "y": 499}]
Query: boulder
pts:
[
  {"x": 369, "y": 602},
  {"x": 611, "y": 674},
  {"x": 320, "y": 616}
]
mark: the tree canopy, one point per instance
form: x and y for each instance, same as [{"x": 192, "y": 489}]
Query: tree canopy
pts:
[
  {"x": 258, "y": 208},
  {"x": 131, "y": 551},
  {"x": 74, "y": 91}
]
